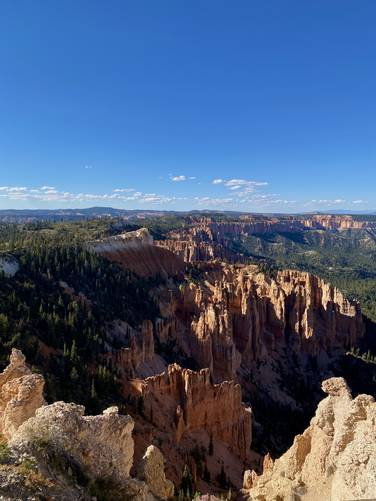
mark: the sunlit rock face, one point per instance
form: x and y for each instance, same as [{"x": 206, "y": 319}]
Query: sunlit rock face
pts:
[
  {"x": 65, "y": 450},
  {"x": 234, "y": 316},
  {"x": 187, "y": 401},
  {"x": 102, "y": 445},
  {"x": 21, "y": 394},
  {"x": 335, "y": 457},
  {"x": 135, "y": 251},
  {"x": 184, "y": 411}
]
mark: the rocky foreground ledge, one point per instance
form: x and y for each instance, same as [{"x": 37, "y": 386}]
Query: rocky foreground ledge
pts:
[
  {"x": 334, "y": 459},
  {"x": 56, "y": 452}
]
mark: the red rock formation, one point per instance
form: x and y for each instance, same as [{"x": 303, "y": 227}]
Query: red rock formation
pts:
[
  {"x": 205, "y": 239},
  {"x": 235, "y": 316},
  {"x": 186, "y": 401},
  {"x": 332, "y": 222}
]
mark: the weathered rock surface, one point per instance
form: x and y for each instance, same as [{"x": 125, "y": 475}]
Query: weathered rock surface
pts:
[
  {"x": 136, "y": 251},
  {"x": 236, "y": 316},
  {"x": 204, "y": 238},
  {"x": 56, "y": 452},
  {"x": 102, "y": 445},
  {"x": 21, "y": 394},
  {"x": 136, "y": 357},
  {"x": 335, "y": 458},
  {"x": 151, "y": 470},
  {"x": 187, "y": 401}
]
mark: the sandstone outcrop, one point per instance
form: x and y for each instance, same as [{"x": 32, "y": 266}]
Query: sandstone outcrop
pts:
[
  {"x": 188, "y": 401},
  {"x": 204, "y": 238},
  {"x": 151, "y": 470},
  {"x": 135, "y": 251},
  {"x": 335, "y": 458},
  {"x": 193, "y": 250},
  {"x": 136, "y": 357},
  {"x": 63, "y": 451},
  {"x": 236, "y": 316},
  {"x": 332, "y": 222},
  {"x": 102, "y": 445},
  {"x": 21, "y": 393}
]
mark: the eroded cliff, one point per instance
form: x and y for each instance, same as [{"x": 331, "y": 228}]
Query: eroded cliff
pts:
[
  {"x": 185, "y": 411},
  {"x": 205, "y": 238},
  {"x": 335, "y": 457},
  {"x": 136, "y": 251},
  {"x": 56, "y": 452}
]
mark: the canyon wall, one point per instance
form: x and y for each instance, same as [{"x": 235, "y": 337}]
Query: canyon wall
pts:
[
  {"x": 188, "y": 401},
  {"x": 136, "y": 252},
  {"x": 234, "y": 316},
  {"x": 204, "y": 238}
]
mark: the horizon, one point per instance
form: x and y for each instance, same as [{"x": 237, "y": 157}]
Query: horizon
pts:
[
  {"x": 335, "y": 212},
  {"x": 255, "y": 108}
]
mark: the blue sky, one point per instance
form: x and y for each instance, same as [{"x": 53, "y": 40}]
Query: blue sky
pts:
[{"x": 264, "y": 105}]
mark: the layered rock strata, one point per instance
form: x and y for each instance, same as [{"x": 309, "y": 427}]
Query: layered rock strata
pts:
[
  {"x": 204, "y": 238},
  {"x": 235, "y": 316},
  {"x": 135, "y": 251},
  {"x": 187, "y": 401}
]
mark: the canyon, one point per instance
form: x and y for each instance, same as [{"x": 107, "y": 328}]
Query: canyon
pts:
[
  {"x": 205, "y": 238},
  {"x": 260, "y": 338},
  {"x": 214, "y": 385}
]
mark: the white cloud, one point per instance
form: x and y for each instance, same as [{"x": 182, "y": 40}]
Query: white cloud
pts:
[
  {"x": 327, "y": 202},
  {"x": 178, "y": 179},
  {"x": 237, "y": 183},
  {"x": 181, "y": 178},
  {"x": 238, "y": 194},
  {"x": 88, "y": 167},
  {"x": 244, "y": 186},
  {"x": 51, "y": 194},
  {"x": 16, "y": 189},
  {"x": 209, "y": 201}
]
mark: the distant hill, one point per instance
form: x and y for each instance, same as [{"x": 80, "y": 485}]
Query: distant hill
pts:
[{"x": 31, "y": 215}]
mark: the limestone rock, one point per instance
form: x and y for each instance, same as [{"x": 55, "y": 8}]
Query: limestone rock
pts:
[
  {"x": 21, "y": 393},
  {"x": 102, "y": 445},
  {"x": 151, "y": 470},
  {"x": 135, "y": 251},
  {"x": 236, "y": 316},
  {"x": 335, "y": 458},
  {"x": 186, "y": 401},
  {"x": 136, "y": 357}
]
